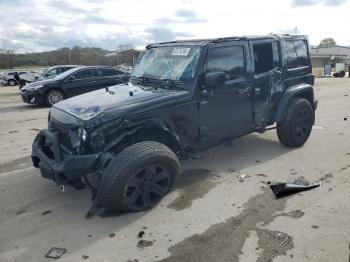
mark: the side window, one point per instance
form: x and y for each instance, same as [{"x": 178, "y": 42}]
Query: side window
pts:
[
  {"x": 50, "y": 72},
  {"x": 276, "y": 55},
  {"x": 292, "y": 59},
  {"x": 117, "y": 72},
  {"x": 109, "y": 72},
  {"x": 81, "y": 74},
  {"x": 263, "y": 57},
  {"x": 91, "y": 73},
  {"x": 100, "y": 72},
  {"x": 301, "y": 49},
  {"x": 227, "y": 59},
  {"x": 62, "y": 70}
]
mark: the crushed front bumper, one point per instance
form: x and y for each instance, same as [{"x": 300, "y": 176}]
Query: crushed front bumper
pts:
[{"x": 56, "y": 164}]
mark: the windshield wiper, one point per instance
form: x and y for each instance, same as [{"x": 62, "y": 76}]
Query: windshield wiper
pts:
[
  {"x": 160, "y": 83},
  {"x": 173, "y": 84},
  {"x": 140, "y": 80}
]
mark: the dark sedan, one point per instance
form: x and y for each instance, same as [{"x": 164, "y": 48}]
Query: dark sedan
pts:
[{"x": 73, "y": 82}]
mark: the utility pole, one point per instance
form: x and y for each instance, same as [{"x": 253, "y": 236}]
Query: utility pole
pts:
[
  {"x": 11, "y": 58},
  {"x": 118, "y": 49},
  {"x": 70, "y": 61}
]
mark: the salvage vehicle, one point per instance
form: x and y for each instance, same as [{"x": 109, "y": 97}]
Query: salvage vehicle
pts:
[
  {"x": 71, "y": 83},
  {"x": 124, "y": 142},
  {"x": 48, "y": 73},
  {"x": 8, "y": 78}
]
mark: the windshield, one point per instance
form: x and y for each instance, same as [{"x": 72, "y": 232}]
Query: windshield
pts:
[
  {"x": 66, "y": 73},
  {"x": 176, "y": 63}
]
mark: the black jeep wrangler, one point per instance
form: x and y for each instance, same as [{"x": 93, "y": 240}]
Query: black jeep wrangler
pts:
[{"x": 183, "y": 96}]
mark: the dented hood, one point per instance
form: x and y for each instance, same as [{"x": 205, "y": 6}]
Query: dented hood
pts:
[{"x": 118, "y": 101}]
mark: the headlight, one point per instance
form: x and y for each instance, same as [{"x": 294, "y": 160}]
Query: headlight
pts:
[{"x": 82, "y": 134}]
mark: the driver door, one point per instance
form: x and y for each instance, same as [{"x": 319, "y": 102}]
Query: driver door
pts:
[{"x": 225, "y": 110}]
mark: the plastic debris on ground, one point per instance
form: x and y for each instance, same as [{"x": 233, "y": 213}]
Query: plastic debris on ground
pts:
[
  {"x": 284, "y": 189},
  {"x": 55, "y": 252}
]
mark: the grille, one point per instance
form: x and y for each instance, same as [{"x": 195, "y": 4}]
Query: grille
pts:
[{"x": 62, "y": 133}]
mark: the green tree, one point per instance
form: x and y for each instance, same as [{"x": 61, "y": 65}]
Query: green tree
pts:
[{"x": 327, "y": 42}]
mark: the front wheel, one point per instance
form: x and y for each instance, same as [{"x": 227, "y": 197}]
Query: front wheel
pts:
[
  {"x": 296, "y": 127},
  {"x": 138, "y": 177},
  {"x": 11, "y": 82},
  {"x": 53, "y": 96}
]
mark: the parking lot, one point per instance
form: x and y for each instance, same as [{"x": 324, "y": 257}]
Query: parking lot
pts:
[{"x": 221, "y": 208}]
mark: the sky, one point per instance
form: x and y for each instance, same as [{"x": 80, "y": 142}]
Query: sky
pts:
[{"x": 41, "y": 25}]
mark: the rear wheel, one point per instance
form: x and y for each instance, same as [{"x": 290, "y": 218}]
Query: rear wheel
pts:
[
  {"x": 53, "y": 96},
  {"x": 138, "y": 177},
  {"x": 296, "y": 127}
]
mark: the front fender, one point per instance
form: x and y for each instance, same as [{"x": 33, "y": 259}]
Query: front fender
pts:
[
  {"x": 133, "y": 128},
  {"x": 302, "y": 90}
]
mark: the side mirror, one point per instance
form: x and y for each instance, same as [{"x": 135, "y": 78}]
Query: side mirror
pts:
[
  {"x": 71, "y": 78},
  {"x": 276, "y": 70},
  {"x": 215, "y": 80}
]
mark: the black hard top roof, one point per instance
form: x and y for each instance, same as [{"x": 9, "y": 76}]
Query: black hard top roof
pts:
[{"x": 203, "y": 42}]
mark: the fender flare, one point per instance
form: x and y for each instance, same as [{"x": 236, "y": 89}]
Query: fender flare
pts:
[
  {"x": 288, "y": 95},
  {"x": 146, "y": 124}
]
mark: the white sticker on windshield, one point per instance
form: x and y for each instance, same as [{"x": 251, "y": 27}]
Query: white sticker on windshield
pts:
[{"x": 180, "y": 51}]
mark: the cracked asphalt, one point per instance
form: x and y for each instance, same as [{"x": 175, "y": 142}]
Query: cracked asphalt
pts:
[{"x": 221, "y": 208}]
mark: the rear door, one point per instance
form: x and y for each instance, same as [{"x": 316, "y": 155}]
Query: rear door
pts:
[
  {"x": 267, "y": 79},
  {"x": 99, "y": 79},
  {"x": 113, "y": 76}
]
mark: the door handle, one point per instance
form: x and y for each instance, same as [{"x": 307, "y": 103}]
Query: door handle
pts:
[
  {"x": 93, "y": 82},
  {"x": 245, "y": 91}
]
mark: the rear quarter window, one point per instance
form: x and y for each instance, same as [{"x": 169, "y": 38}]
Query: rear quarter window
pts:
[
  {"x": 296, "y": 53},
  {"x": 301, "y": 49},
  {"x": 292, "y": 59}
]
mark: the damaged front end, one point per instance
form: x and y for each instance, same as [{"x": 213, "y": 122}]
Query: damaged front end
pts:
[{"x": 62, "y": 152}]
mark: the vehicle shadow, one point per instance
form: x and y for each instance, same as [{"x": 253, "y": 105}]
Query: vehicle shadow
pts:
[{"x": 239, "y": 154}]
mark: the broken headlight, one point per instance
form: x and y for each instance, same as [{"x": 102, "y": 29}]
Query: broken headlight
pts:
[{"x": 82, "y": 134}]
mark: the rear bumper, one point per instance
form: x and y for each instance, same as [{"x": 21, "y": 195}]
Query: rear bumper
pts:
[{"x": 54, "y": 162}]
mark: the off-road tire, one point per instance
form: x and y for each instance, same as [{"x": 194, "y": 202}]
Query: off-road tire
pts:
[
  {"x": 11, "y": 82},
  {"x": 51, "y": 95},
  {"x": 128, "y": 168},
  {"x": 296, "y": 126}
]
